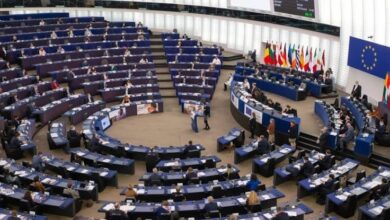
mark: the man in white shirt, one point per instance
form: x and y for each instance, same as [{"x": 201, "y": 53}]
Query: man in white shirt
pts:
[{"x": 216, "y": 61}]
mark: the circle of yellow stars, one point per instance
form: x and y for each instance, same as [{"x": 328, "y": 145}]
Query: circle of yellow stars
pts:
[{"x": 365, "y": 50}]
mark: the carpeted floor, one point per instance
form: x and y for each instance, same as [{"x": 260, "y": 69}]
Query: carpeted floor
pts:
[{"x": 173, "y": 128}]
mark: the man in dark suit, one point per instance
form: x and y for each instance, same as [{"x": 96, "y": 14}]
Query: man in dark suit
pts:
[
  {"x": 307, "y": 168},
  {"x": 382, "y": 189},
  {"x": 155, "y": 178},
  {"x": 356, "y": 90},
  {"x": 152, "y": 160},
  {"x": 326, "y": 162},
  {"x": 15, "y": 142},
  {"x": 206, "y": 115},
  {"x": 280, "y": 215},
  {"x": 116, "y": 213},
  {"x": 210, "y": 206},
  {"x": 74, "y": 137},
  {"x": 94, "y": 145},
  {"x": 252, "y": 125},
  {"x": 263, "y": 145},
  {"x": 323, "y": 139},
  {"x": 189, "y": 147},
  {"x": 325, "y": 189}
]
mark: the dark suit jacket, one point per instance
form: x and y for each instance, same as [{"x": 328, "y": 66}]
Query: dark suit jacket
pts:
[
  {"x": 263, "y": 147},
  {"x": 154, "y": 178},
  {"x": 252, "y": 123},
  {"x": 117, "y": 215},
  {"x": 356, "y": 91},
  {"x": 293, "y": 132},
  {"x": 281, "y": 216},
  {"x": 307, "y": 169},
  {"x": 326, "y": 162},
  {"x": 212, "y": 206},
  {"x": 15, "y": 143},
  {"x": 323, "y": 140}
]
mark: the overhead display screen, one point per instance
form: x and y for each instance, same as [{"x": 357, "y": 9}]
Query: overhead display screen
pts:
[
  {"x": 305, "y": 8},
  {"x": 251, "y": 5}
]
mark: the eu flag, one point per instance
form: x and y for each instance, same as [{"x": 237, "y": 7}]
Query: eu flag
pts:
[{"x": 369, "y": 57}]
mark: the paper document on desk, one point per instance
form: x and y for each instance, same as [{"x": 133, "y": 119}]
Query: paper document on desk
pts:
[
  {"x": 358, "y": 191},
  {"x": 342, "y": 197},
  {"x": 3, "y": 162},
  {"x": 291, "y": 213},
  {"x": 140, "y": 191},
  {"x": 104, "y": 174},
  {"x": 222, "y": 170},
  {"x": 264, "y": 160},
  {"x": 108, "y": 207},
  {"x": 284, "y": 151},
  {"x": 127, "y": 208},
  {"x": 241, "y": 200},
  {"x": 265, "y": 197},
  {"x": 377, "y": 210},
  {"x": 201, "y": 174},
  {"x": 385, "y": 173},
  {"x": 106, "y": 160},
  {"x": 268, "y": 216}
]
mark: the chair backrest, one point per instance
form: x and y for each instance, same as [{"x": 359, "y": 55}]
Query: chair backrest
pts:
[
  {"x": 209, "y": 163},
  {"x": 214, "y": 214},
  {"x": 360, "y": 175},
  {"x": 255, "y": 208},
  {"x": 216, "y": 192}
]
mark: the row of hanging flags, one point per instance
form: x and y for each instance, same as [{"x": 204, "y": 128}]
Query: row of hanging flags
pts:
[{"x": 300, "y": 58}]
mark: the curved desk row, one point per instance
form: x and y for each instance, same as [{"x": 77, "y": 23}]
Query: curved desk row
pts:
[
  {"x": 190, "y": 192},
  {"x": 191, "y": 50},
  {"x": 195, "y": 208},
  {"x": 113, "y": 146},
  {"x": 290, "y": 92},
  {"x": 364, "y": 141},
  {"x": 242, "y": 107},
  {"x": 204, "y": 176}
]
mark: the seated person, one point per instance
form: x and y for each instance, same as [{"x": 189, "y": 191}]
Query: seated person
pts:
[
  {"x": 307, "y": 168},
  {"x": 131, "y": 193},
  {"x": 280, "y": 215},
  {"x": 163, "y": 209},
  {"x": 155, "y": 178},
  {"x": 326, "y": 161},
  {"x": 325, "y": 189},
  {"x": 216, "y": 61},
  {"x": 178, "y": 195},
  {"x": 37, "y": 184},
  {"x": 31, "y": 205},
  {"x": 323, "y": 138},
  {"x": 263, "y": 145},
  {"x": 191, "y": 174},
  {"x": 253, "y": 199},
  {"x": 73, "y": 137},
  {"x": 253, "y": 183},
  {"x": 246, "y": 85},
  {"x": 382, "y": 190},
  {"x": 42, "y": 52},
  {"x": 189, "y": 147},
  {"x": 288, "y": 110},
  {"x": 69, "y": 190},
  {"x": 37, "y": 162},
  {"x": 152, "y": 160},
  {"x": 117, "y": 213},
  {"x": 210, "y": 206},
  {"x": 55, "y": 85},
  {"x": 11, "y": 178}
]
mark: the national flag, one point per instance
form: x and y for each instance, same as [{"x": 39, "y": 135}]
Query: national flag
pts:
[
  {"x": 319, "y": 62},
  {"x": 285, "y": 62},
  {"x": 280, "y": 55},
  {"x": 307, "y": 60},
  {"x": 386, "y": 90},
  {"x": 293, "y": 62},
  {"x": 272, "y": 55},
  {"x": 289, "y": 54},
  {"x": 314, "y": 62},
  {"x": 266, "y": 54},
  {"x": 323, "y": 57},
  {"x": 302, "y": 59},
  {"x": 297, "y": 57}
]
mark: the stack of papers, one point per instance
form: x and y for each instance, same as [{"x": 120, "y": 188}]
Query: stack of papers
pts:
[
  {"x": 377, "y": 210},
  {"x": 108, "y": 207}
]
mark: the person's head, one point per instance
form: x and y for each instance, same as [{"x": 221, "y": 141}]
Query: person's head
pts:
[
  {"x": 117, "y": 206},
  {"x": 271, "y": 121},
  {"x": 292, "y": 123},
  {"x": 72, "y": 127},
  {"x": 69, "y": 184},
  {"x": 305, "y": 158},
  {"x": 349, "y": 125},
  {"x": 331, "y": 176},
  {"x": 130, "y": 187},
  {"x": 229, "y": 166},
  {"x": 262, "y": 137},
  {"x": 233, "y": 217},
  {"x": 189, "y": 170},
  {"x": 178, "y": 189},
  {"x": 253, "y": 176},
  {"x": 328, "y": 152},
  {"x": 190, "y": 142},
  {"x": 164, "y": 203},
  {"x": 27, "y": 195},
  {"x": 36, "y": 179},
  {"x": 210, "y": 199},
  {"x": 356, "y": 82},
  {"x": 155, "y": 170},
  {"x": 253, "y": 115},
  {"x": 384, "y": 180}
]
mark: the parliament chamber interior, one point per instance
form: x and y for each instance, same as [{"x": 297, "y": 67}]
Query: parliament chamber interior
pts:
[{"x": 194, "y": 109}]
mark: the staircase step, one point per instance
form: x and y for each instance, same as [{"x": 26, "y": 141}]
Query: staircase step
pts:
[
  {"x": 165, "y": 85},
  {"x": 164, "y": 78},
  {"x": 161, "y": 65},
  {"x": 155, "y": 42},
  {"x": 157, "y": 49},
  {"x": 168, "y": 93}
]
